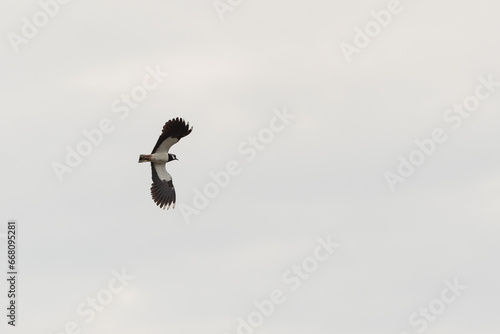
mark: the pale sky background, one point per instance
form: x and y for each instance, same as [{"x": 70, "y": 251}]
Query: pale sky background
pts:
[{"x": 322, "y": 175}]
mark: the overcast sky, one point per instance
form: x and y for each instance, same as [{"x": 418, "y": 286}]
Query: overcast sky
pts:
[{"x": 355, "y": 146}]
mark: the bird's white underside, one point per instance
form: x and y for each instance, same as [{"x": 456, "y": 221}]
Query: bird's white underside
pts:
[
  {"x": 160, "y": 157},
  {"x": 166, "y": 145},
  {"x": 162, "y": 171}
]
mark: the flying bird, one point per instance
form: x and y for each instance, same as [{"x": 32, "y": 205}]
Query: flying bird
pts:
[{"x": 162, "y": 188}]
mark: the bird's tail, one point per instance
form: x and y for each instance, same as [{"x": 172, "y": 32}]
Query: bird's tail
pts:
[{"x": 145, "y": 158}]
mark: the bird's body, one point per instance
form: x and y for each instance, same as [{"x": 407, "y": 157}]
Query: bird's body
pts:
[
  {"x": 162, "y": 189},
  {"x": 159, "y": 157}
]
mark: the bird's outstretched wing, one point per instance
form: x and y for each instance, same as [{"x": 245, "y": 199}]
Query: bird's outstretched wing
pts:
[
  {"x": 172, "y": 132},
  {"x": 162, "y": 188}
]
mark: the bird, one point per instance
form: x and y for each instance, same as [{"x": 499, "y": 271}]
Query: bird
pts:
[{"x": 162, "y": 188}]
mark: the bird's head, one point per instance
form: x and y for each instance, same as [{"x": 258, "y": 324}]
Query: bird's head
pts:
[{"x": 172, "y": 157}]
